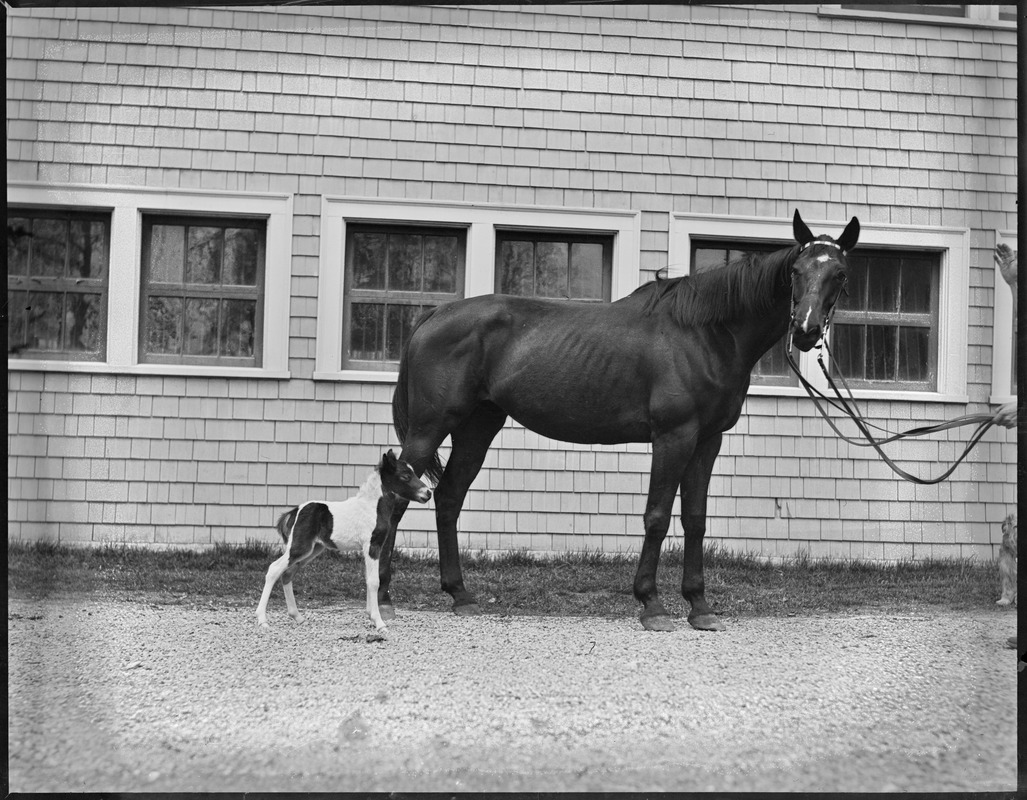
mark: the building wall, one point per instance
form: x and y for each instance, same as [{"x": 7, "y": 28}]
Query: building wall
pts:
[{"x": 657, "y": 110}]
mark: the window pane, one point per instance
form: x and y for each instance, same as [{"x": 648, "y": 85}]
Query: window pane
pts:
[
  {"x": 881, "y": 351},
  {"x": 19, "y": 234},
  {"x": 44, "y": 320},
  {"x": 854, "y": 297},
  {"x": 49, "y": 247},
  {"x": 401, "y": 319},
  {"x": 17, "y": 332},
  {"x": 914, "y": 354},
  {"x": 516, "y": 268},
  {"x": 405, "y": 262},
  {"x": 586, "y": 271},
  {"x": 163, "y": 325},
  {"x": 774, "y": 362},
  {"x": 440, "y": 263},
  {"x": 82, "y": 323},
  {"x": 369, "y": 260},
  {"x": 551, "y": 269},
  {"x": 916, "y": 287},
  {"x": 847, "y": 350},
  {"x": 883, "y": 285},
  {"x": 88, "y": 258},
  {"x": 203, "y": 260},
  {"x": 242, "y": 253},
  {"x": 708, "y": 258},
  {"x": 201, "y": 326},
  {"x": 238, "y": 323},
  {"x": 167, "y": 253},
  {"x": 366, "y": 331}
]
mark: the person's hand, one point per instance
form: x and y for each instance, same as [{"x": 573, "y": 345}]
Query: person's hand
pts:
[
  {"x": 1006, "y": 260},
  {"x": 1006, "y": 415}
]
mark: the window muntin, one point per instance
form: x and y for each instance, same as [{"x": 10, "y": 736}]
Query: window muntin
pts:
[
  {"x": 885, "y": 331},
  {"x": 202, "y": 299},
  {"x": 57, "y": 283},
  {"x": 772, "y": 369},
  {"x": 394, "y": 274},
  {"x": 570, "y": 266}
]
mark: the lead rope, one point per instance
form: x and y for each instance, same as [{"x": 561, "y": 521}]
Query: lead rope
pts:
[{"x": 848, "y": 407}]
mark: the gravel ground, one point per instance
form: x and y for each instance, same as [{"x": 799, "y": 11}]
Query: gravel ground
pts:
[{"x": 110, "y": 695}]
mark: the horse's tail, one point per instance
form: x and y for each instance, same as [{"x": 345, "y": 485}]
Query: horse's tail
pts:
[
  {"x": 401, "y": 399},
  {"x": 285, "y": 523}
]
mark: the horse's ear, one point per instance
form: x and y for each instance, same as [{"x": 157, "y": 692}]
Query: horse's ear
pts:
[
  {"x": 849, "y": 236},
  {"x": 802, "y": 233},
  {"x": 389, "y": 459}
]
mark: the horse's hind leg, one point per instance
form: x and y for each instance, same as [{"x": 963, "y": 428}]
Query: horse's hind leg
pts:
[
  {"x": 274, "y": 572},
  {"x": 694, "y": 492},
  {"x": 471, "y": 441}
]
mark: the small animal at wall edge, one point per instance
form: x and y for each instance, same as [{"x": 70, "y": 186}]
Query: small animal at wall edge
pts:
[
  {"x": 361, "y": 522},
  {"x": 1007, "y": 561}
]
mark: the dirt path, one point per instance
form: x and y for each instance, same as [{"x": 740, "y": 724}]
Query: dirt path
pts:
[{"x": 118, "y": 696}]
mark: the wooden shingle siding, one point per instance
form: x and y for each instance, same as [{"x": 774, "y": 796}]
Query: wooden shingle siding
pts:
[{"x": 738, "y": 111}]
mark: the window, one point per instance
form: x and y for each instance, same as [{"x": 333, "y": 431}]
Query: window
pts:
[
  {"x": 885, "y": 329},
  {"x": 394, "y": 274},
  {"x": 992, "y": 15},
  {"x": 561, "y": 265},
  {"x": 57, "y": 273},
  {"x": 772, "y": 369},
  {"x": 900, "y": 335},
  {"x": 185, "y": 282},
  {"x": 202, "y": 291}
]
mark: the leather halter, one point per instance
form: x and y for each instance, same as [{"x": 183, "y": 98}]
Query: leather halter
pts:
[{"x": 823, "y": 242}]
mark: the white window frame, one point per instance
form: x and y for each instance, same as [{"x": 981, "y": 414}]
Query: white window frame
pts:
[
  {"x": 1002, "y": 329},
  {"x": 952, "y": 243},
  {"x": 978, "y": 16},
  {"x": 127, "y": 205},
  {"x": 480, "y": 221}
]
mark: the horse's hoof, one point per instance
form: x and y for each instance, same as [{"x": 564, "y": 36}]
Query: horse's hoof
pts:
[
  {"x": 263, "y": 624},
  {"x": 466, "y": 610},
  {"x": 1002, "y": 602},
  {"x": 299, "y": 619},
  {"x": 707, "y": 622},
  {"x": 387, "y": 612},
  {"x": 658, "y": 623}
]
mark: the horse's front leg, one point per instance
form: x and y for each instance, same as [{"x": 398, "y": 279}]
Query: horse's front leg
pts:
[
  {"x": 695, "y": 485},
  {"x": 385, "y": 607},
  {"x": 371, "y": 578},
  {"x": 670, "y": 454}
]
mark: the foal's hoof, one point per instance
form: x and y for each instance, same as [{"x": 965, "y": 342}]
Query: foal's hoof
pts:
[
  {"x": 707, "y": 622},
  {"x": 1003, "y": 602},
  {"x": 466, "y": 609},
  {"x": 387, "y": 612},
  {"x": 299, "y": 619},
  {"x": 660, "y": 622}
]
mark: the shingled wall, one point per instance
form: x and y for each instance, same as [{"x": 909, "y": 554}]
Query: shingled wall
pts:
[{"x": 726, "y": 110}]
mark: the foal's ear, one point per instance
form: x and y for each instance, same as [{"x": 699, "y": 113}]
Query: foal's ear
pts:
[
  {"x": 389, "y": 460},
  {"x": 849, "y": 236},
  {"x": 800, "y": 230}
]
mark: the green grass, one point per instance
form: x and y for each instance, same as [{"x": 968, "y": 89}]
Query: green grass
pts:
[{"x": 588, "y": 583}]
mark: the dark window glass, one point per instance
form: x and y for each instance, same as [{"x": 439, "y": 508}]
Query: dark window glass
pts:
[
  {"x": 203, "y": 291},
  {"x": 394, "y": 274},
  {"x": 57, "y": 284},
  {"x": 557, "y": 265}
]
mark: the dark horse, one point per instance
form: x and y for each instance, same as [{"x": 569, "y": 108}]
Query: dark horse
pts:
[{"x": 669, "y": 364}]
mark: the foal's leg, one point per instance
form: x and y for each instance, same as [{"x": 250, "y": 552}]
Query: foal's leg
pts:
[
  {"x": 471, "y": 441},
  {"x": 371, "y": 576},
  {"x": 694, "y": 492},
  {"x": 287, "y": 576},
  {"x": 274, "y": 572},
  {"x": 670, "y": 453},
  {"x": 385, "y": 606}
]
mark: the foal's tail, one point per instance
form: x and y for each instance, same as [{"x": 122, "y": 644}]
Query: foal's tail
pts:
[
  {"x": 285, "y": 523},
  {"x": 401, "y": 400}
]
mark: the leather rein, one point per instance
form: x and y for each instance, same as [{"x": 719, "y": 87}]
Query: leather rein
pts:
[{"x": 847, "y": 406}]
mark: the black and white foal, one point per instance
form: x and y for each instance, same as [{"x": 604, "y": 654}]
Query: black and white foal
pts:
[{"x": 360, "y": 522}]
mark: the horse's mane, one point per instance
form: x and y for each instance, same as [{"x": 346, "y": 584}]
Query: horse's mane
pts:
[{"x": 744, "y": 287}]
